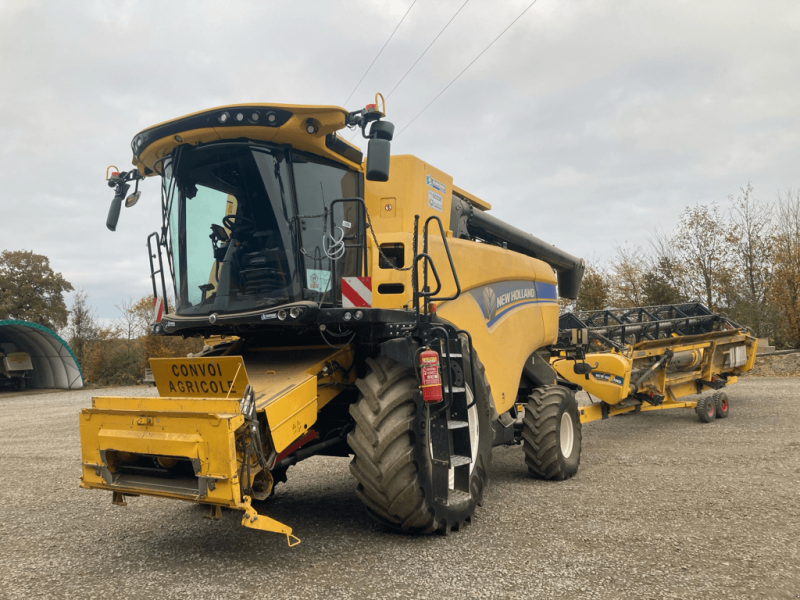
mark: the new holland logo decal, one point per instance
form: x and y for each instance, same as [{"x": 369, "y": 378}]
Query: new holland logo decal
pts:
[{"x": 499, "y": 299}]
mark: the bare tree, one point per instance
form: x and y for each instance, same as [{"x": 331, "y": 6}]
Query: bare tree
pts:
[
  {"x": 133, "y": 322},
  {"x": 785, "y": 283},
  {"x": 83, "y": 327},
  {"x": 702, "y": 245},
  {"x": 751, "y": 238},
  {"x": 627, "y": 277}
]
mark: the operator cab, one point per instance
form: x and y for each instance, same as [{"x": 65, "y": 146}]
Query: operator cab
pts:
[
  {"x": 262, "y": 207},
  {"x": 266, "y": 210}
]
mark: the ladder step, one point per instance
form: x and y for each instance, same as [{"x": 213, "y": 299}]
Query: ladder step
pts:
[
  {"x": 457, "y": 496},
  {"x": 453, "y": 355},
  {"x": 456, "y": 390},
  {"x": 457, "y": 424},
  {"x": 457, "y": 461}
]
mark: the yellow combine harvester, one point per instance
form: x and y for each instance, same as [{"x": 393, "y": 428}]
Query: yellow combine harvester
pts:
[{"x": 391, "y": 319}]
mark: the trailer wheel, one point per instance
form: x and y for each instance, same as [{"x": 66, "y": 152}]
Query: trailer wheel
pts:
[
  {"x": 706, "y": 409},
  {"x": 551, "y": 433},
  {"x": 392, "y": 452},
  {"x": 721, "y": 404}
]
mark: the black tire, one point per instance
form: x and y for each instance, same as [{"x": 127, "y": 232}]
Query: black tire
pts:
[
  {"x": 706, "y": 409},
  {"x": 721, "y": 405},
  {"x": 545, "y": 455},
  {"x": 392, "y": 458}
]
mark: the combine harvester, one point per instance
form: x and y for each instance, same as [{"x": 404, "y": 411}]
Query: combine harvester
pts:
[{"x": 391, "y": 319}]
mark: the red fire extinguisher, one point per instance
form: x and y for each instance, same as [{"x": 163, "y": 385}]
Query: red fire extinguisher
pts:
[{"x": 431, "y": 378}]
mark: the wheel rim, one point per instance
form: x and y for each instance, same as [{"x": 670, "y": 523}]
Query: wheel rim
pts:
[
  {"x": 567, "y": 435},
  {"x": 474, "y": 431},
  {"x": 710, "y": 409},
  {"x": 724, "y": 405}
]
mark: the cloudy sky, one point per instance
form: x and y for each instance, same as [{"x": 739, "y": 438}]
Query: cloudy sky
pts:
[{"x": 588, "y": 123}]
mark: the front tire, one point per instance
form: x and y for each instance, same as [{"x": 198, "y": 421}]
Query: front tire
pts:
[
  {"x": 392, "y": 452},
  {"x": 551, "y": 433}
]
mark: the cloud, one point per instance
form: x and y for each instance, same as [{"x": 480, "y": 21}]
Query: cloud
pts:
[{"x": 586, "y": 124}]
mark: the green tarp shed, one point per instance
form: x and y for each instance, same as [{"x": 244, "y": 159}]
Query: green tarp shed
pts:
[{"x": 54, "y": 364}]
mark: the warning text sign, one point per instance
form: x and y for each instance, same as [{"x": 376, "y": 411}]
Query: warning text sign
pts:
[{"x": 217, "y": 377}]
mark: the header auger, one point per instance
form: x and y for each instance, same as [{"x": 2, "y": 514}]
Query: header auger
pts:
[{"x": 370, "y": 309}]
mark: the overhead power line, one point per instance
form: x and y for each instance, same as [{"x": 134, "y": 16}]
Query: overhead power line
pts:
[
  {"x": 379, "y": 53},
  {"x": 465, "y": 68},
  {"x": 426, "y": 49}
]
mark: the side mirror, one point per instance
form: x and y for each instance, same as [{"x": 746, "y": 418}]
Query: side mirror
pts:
[
  {"x": 378, "y": 154},
  {"x": 132, "y": 199},
  {"x": 379, "y": 150}
]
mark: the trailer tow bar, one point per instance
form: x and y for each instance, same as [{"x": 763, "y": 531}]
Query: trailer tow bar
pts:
[{"x": 253, "y": 520}]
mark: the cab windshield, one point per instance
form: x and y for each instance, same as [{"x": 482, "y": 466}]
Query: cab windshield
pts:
[{"x": 246, "y": 225}]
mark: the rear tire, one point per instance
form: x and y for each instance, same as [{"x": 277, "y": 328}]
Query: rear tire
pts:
[
  {"x": 551, "y": 433},
  {"x": 706, "y": 409},
  {"x": 721, "y": 404},
  {"x": 392, "y": 456}
]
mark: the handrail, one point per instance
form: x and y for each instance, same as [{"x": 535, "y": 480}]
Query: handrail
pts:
[{"x": 160, "y": 270}]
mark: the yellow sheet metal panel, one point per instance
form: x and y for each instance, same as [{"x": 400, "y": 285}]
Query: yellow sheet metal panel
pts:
[
  {"x": 217, "y": 377},
  {"x": 207, "y": 438},
  {"x": 159, "y": 443},
  {"x": 595, "y": 412},
  {"x": 273, "y": 373},
  {"x": 471, "y": 260},
  {"x": 290, "y": 415},
  {"x": 328, "y": 119},
  {"x": 168, "y": 405},
  {"x": 504, "y": 337},
  {"x": 609, "y": 379},
  {"x": 679, "y": 390}
]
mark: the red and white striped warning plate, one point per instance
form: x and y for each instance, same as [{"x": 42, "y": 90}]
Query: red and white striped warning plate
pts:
[
  {"x": 356, "y": 292},
  {"x": 158, "y": 309}
]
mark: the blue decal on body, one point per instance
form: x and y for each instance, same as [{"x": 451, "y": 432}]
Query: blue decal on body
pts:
[
  {"x": 609, "y": 377},
  {"x": 499, "y": 299},
  {"x": 546, "y": 291}
]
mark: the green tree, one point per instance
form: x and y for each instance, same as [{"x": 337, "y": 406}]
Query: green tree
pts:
[
  {"x": 31, "y": 291},
  {"x": 664, "y": 276},
  {"x": 594, "y": 292},
  {"x": 659, "y": 283}
]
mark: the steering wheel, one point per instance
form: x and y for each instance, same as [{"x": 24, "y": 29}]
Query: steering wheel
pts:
[{"x": 238, "y": 223}]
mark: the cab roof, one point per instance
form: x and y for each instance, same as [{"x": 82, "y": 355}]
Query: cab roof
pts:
[{"x": 304, "y": 127}]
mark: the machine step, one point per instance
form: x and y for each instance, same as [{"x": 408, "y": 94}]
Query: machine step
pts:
[
  {"x": 456, "y": 496},
  {"x": 457, "y": 461}
]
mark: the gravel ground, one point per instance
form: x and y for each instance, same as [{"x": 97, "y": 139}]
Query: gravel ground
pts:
[
  {"x": 662, "y": 507},
  {"x": 776, "y": 365}
]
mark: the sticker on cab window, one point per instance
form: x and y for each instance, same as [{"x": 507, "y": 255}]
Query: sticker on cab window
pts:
[{"x": 318, "y": 279}]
